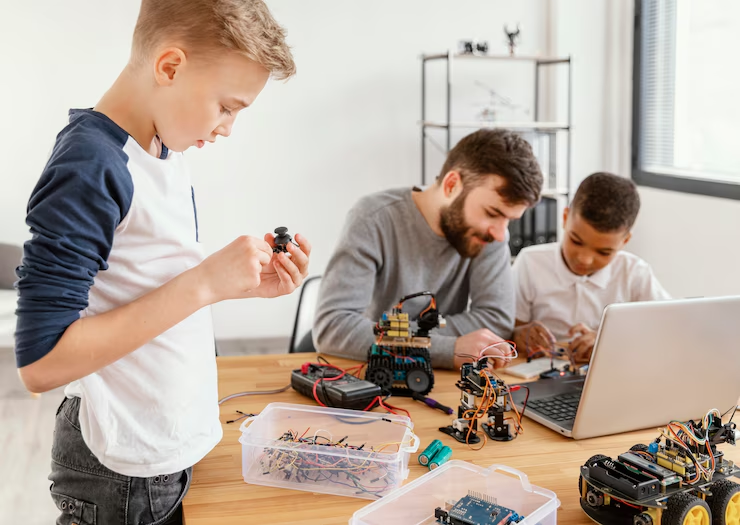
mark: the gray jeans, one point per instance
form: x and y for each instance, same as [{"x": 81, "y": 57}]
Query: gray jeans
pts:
[{"x": 87, "y": 493}]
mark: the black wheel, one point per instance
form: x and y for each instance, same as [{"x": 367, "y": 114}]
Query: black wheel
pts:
[
  {"x": 418, "y": 381},
  {"x": 725, "y": 502},
  {"x": 381, "y": 376},
  {"x": 642, "y": 519},
  {"x": 591, "y": 460},
  {"x": 595, "y": 498},
  {"x": 686, "y": 509},
  {"x": 639, "y": 448}
]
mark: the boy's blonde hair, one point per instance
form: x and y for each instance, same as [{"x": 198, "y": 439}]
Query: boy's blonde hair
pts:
[{"x": 203, "y": 26}]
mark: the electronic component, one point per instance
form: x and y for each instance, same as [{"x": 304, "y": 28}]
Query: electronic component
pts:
[
  {"x": 334, "y": 387},
  {"x": 628, "y": 481},
  {"x": 296, "y": 460},
  {"x": 665, "y": 476},
  {"x": 477, "y": 509},
  {"x": 666, "y": 480},
  {"x": 482, "y": 396},
  {"x": 674, "y": 460},
  {"x": 428, "y": 453},
  {"x": 442, "y": 456},
  {"x": 399, "y": 361},
  {"x": 282, "y": 238}
]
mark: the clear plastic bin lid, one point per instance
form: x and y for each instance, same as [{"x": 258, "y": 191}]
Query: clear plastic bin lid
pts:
[
  {"x": 385, "y": 436},
  {"x": 415, "y": 503}
]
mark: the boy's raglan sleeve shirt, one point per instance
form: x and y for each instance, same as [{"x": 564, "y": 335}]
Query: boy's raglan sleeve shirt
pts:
[{"x": 81, "y": 198}]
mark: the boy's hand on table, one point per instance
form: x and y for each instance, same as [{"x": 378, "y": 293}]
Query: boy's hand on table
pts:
[
  {"x": 534, "y": 337},
  {"x": 583, "y": 343}
]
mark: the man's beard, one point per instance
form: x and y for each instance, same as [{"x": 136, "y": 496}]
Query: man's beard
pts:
[{"x": 456, "y": 230}]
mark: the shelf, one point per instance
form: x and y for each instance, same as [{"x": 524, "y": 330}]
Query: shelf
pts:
[
  {"x": 544, "y": 61},
  {"x": 555, "y": 192},
  {"x": 536, "y": 126}
]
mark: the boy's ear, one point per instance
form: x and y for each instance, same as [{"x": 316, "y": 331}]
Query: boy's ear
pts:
[
  {"x": 167, "y": 63},
  {"x": 565, "y": 216},
  {"x": 627, "y": 239}
]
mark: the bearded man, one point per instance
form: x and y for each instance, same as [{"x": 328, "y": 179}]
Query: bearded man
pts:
[{"x": 450, "y": 238}]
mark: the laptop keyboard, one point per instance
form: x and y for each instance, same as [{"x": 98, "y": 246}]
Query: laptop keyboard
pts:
[{"x": 561, "y": 407}]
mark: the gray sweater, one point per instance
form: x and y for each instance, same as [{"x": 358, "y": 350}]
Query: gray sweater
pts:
[{"x": 388, "y": 250}]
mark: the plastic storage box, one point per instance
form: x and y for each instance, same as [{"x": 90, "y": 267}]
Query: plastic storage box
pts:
[
  {"x": 328, "y": 450},
  {"x": 415, "y": 503}
]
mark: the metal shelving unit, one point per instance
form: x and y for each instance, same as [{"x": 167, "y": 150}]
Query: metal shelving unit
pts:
[{"x": 554, "y": 186}]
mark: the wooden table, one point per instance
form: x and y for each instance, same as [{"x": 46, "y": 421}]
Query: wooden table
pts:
[{"x": 219, "y": 495}]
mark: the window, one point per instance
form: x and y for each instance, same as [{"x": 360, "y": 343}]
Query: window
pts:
[{"x": 686, "y": 98}]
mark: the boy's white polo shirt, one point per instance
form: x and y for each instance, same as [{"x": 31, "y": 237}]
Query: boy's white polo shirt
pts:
[{"x": 547, "y": 291}]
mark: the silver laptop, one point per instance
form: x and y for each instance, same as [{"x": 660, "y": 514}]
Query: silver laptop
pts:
[{"x": 653, "y": 362}]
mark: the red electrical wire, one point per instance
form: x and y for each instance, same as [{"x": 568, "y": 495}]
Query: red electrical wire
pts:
[{"x": 378, "y": 400}]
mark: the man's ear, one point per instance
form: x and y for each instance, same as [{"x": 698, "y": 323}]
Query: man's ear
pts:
[
  {"x": 167, "y": 64},
  {"x": 451, "y": 183}
]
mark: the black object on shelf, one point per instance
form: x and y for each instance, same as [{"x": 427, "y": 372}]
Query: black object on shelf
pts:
[
  {"x": 538, "y": 225},
  {"x": 553, "y": 219}
]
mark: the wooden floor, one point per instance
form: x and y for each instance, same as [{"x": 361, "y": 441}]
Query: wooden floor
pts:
[{"x": 26, "y": 426}]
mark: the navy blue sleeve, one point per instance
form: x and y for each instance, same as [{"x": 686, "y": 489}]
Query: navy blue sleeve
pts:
[{"x": 83, "y": 194}]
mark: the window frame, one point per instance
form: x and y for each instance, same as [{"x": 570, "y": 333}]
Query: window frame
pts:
[{"x": 663, "y": 180}]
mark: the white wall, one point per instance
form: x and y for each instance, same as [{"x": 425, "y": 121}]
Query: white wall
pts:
[
  {"x": 691, "y": 241},
  {"x": 593, "y": 33},
  {"x": 300, "y": 157}
]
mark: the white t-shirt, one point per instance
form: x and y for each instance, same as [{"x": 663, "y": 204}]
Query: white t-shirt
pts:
[
  {"x": 547, "y": 291},
  {"x": 112, "y": 223}
]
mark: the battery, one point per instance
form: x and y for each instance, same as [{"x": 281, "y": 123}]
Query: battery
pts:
[
  {"x": 429, "y": 452},
  {"x": 440, "y": 457}
]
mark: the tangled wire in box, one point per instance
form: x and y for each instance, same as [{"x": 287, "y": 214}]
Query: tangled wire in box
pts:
[{"x": 359, "y": 468}]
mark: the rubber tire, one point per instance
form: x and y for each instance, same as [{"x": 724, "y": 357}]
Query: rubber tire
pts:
[
  {"x": 722, "y": 493},
  {"x": 679, "y": 505},
  {"x": 413, "y": 386},
  {"x": 381, "y": 376},
  {"x": 639, "y": 448}
]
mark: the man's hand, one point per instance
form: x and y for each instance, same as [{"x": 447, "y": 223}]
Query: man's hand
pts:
[
  {"x": 469, "y": 346},
  {"x": 534, "y": 337},
  {"x": 582, "y": 346},
  {"x": 285, "y": 272}
]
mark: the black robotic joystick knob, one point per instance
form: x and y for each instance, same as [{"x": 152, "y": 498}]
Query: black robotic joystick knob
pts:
[{"x": 282, "y": 238}]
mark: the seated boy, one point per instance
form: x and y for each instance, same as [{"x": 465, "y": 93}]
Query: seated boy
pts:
[{"x": 563, "y": 288}]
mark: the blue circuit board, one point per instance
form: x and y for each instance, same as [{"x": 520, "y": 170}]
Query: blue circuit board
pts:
[{"x": 479, "y": 510}]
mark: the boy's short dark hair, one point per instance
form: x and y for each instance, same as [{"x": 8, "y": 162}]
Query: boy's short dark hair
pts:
[
  {"x": 497, "y": 152},
  {"x": 607, "y": 202}
]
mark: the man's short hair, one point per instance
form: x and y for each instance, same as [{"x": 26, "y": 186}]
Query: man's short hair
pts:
[
  {"x": 211, "y": 26},
  {"x": 607, "y": 202},
  {"x": 499, "y": 152}
]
